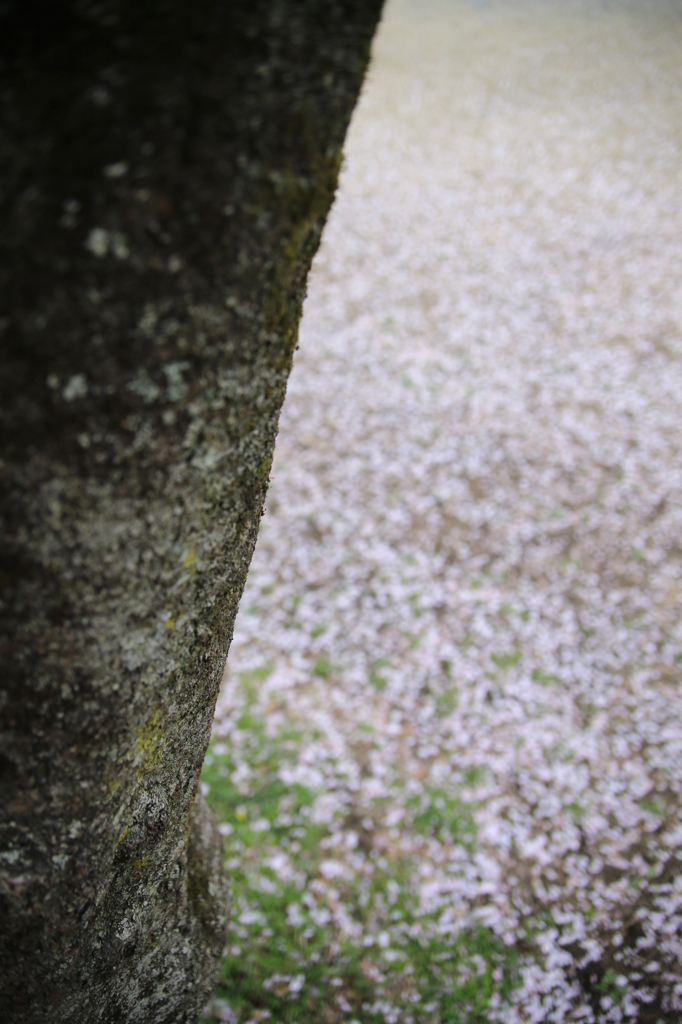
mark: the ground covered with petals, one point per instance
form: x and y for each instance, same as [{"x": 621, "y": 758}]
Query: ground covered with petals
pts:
[{"x": 448, "y": 751}]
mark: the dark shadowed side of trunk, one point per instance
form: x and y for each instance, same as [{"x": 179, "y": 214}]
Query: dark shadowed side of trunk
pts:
[{"x": 166, "y": 167}]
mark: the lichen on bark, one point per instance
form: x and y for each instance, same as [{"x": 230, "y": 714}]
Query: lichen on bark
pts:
[{"x": 167, "y": 169}]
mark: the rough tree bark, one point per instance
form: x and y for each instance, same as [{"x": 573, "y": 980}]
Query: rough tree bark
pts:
[{"x": 166, "y": 169}]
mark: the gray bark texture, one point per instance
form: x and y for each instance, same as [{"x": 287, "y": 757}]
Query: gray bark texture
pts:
[{"x": 166, "y": 167}]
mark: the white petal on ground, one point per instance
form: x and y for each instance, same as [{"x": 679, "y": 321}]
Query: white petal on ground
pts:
[{"x": 467, "y": 584}]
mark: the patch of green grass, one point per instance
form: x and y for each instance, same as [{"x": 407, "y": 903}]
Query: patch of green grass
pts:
[
  {"x": 250, "y": 681},
  {"x": 286, "y": 956},
  {"x": 378, "y": 681},
  {"x": 506, "y": 660},
  {"x": 654, "y": 806},
  {"x": 323, "y": 668},
  {"x": 446, "y": 702},
  {"x": 543, "y": 677},
  {"x": 309, "y": 981},
  {"x": 291, "y": 980},
  {"x": 610, "y": 987},
  {"x": 509, "y": 609},
  {"x": 576, "y": 810},
  {"x": 474, "y": 775},
  {"x": 437, "y": 813}
]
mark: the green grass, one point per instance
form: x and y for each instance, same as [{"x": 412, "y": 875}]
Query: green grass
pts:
[
  {"x": 378, "y": 681},
  {"x": 506, "y": 660},
  {"x": 288, "y": 960},
  {"x": 323, "y": 668},
  {"x": 543, "y": 677},
  {"x": 437, "y": 814}
]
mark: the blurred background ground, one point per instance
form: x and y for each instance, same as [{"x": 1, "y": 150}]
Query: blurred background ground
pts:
[{"x": 447, "y": 755}]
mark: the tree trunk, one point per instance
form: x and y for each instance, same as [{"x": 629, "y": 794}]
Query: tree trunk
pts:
[{"x": 167, "y": 167}]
